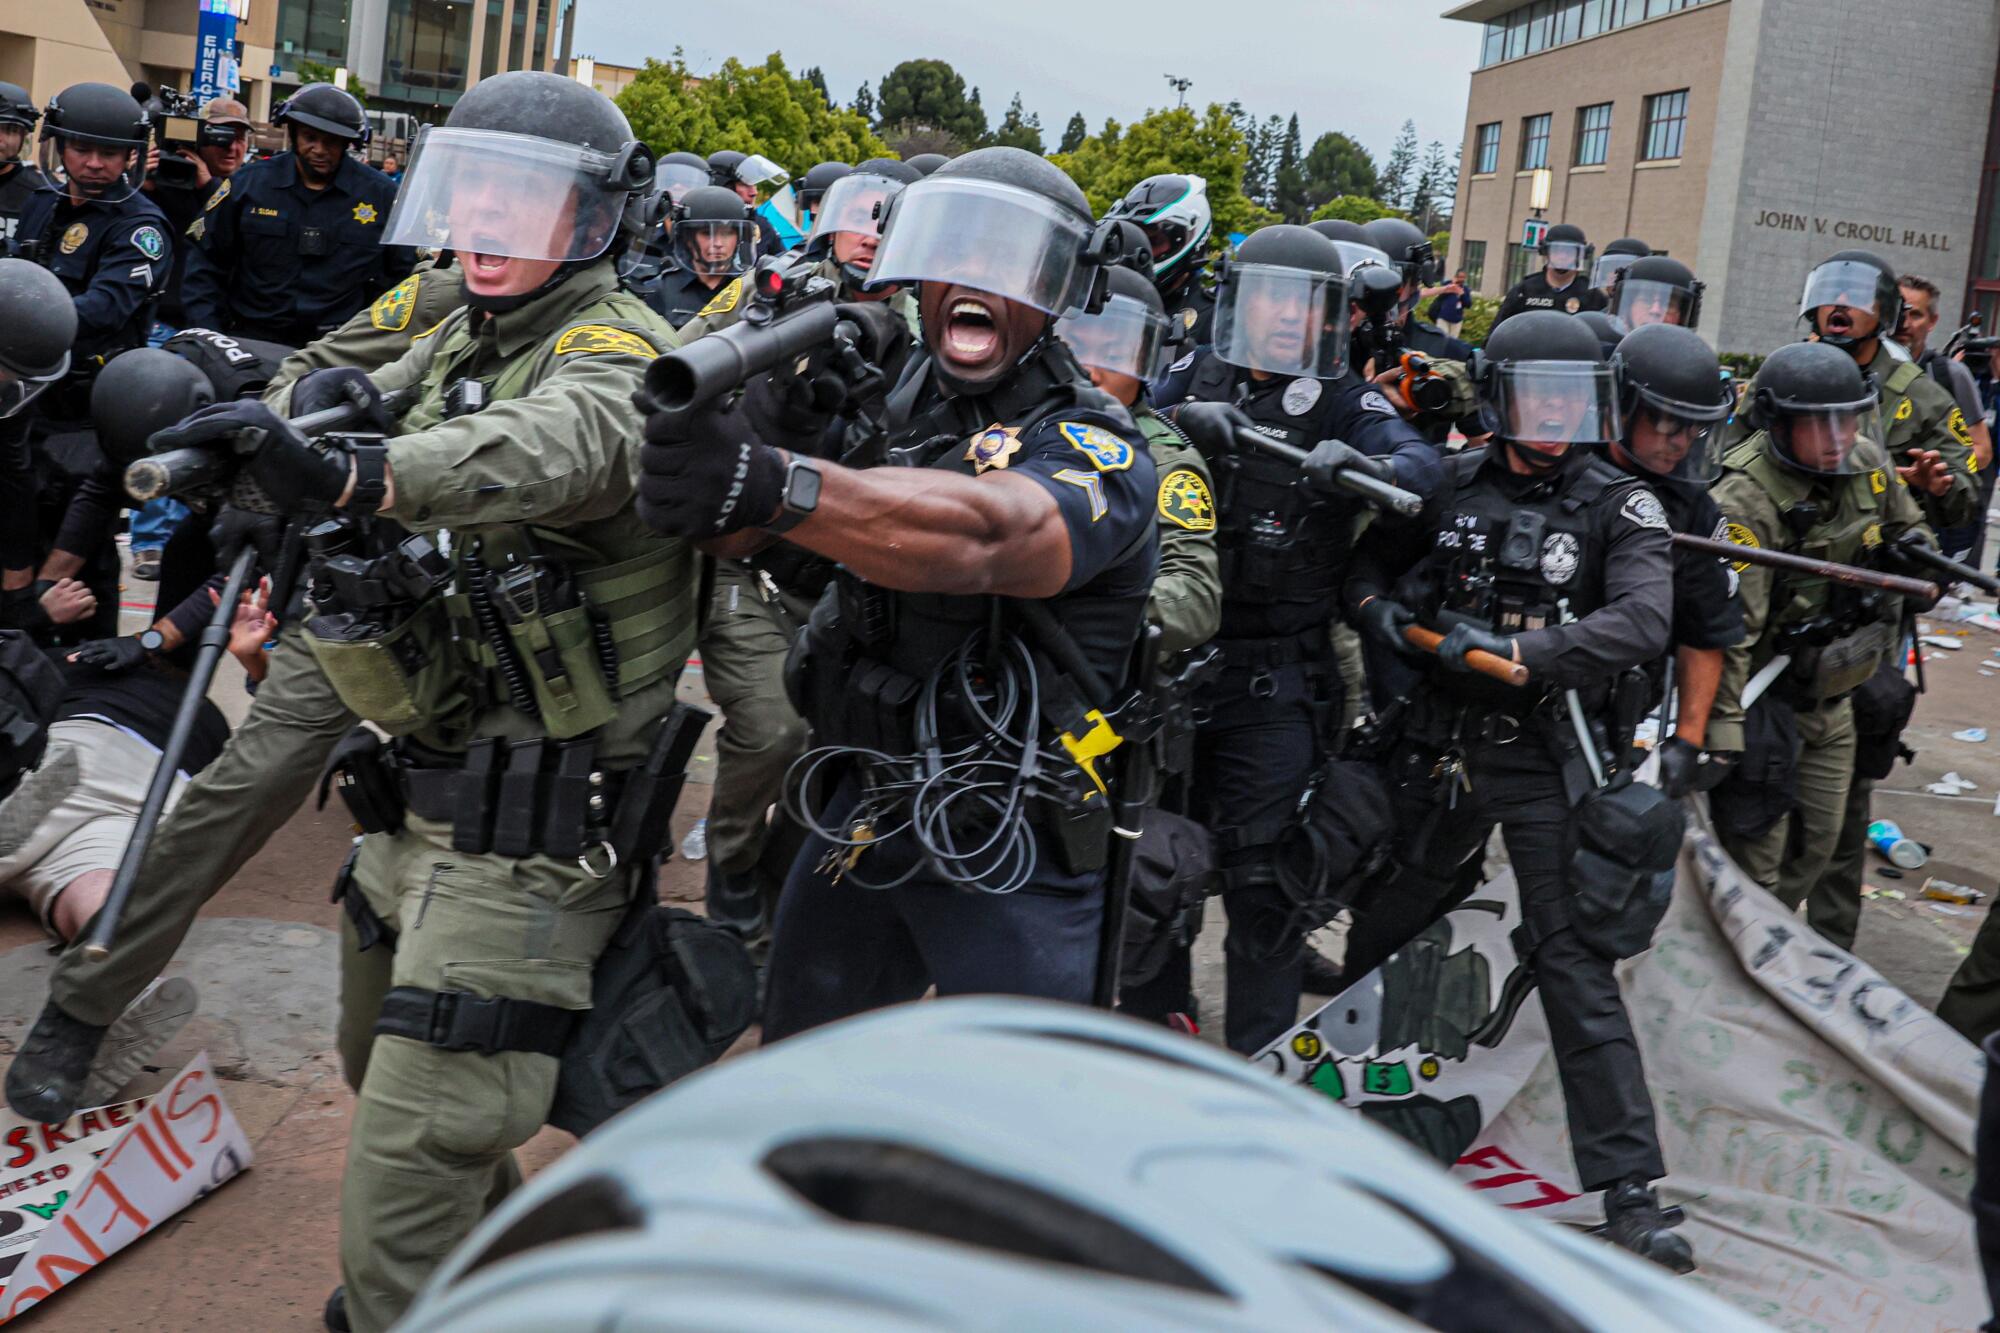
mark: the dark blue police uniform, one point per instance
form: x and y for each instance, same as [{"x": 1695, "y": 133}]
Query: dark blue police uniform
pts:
[
  {"x": 839, "y": 948},
  {"x": 1284, "y": 547},
  {"x": 113, "y": 258},
  {"x": 276, "y": 260}
]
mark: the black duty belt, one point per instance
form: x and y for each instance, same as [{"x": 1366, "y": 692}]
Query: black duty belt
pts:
[
  {"x": 1269, "y": 654},
  {"x": 514, "y": 798}
]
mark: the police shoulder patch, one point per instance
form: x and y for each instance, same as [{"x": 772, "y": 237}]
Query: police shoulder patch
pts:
[
  {"x": 1373, "y": 401},
  {"x": 1181, "y": 364},
  {"x": 221, "y": 193},
  {"x": 1871, "y": 536},
  {"x": 602, "y": 338},
  {"x": 1878, "y": 481},
  {"x": 1906, "y": 409},
  {"x": 150, "y": 242},
  {"x": 723, "y": 301},
  {"x": 1955, "y": 424},
  {"x": 1642, "y": 507},
  {"x": 1106, "y": 451},
  {"x": 1740, "y": 535},
  {"x": 1185, "y": 500},
  {"x": 393, "y": 308}
]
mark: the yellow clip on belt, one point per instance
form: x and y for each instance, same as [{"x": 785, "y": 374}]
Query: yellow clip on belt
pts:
[{"x": 1099, "y": 741}]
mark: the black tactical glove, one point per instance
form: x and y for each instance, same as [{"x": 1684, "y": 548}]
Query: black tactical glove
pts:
[
  {"x": 296, "y": 476},
  {"x": 1329, "y": 457},
  {"x": 111, "y": 656},
  {"x": 1211, "y": 427},
  {"x": 707, "y": 474},
  {"x": 338, "y": 386},
  {"x": 1384, "y": 620},
  {"x": 1463, "y": 639},
  {"x": 235, "y": 528}
]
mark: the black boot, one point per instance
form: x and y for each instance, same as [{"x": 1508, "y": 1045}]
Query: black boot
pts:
[
  {"x": 335, "y": 1314},
  {"x": 45, "y": 1082},
  {"x": 1322, "y": 976},
  {"x": 1634, "y": 1220}
]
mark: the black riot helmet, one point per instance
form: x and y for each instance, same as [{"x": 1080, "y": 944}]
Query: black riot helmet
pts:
[
  {"x": 1823, "y": 415},
  {"x": 1674, "y": 403},
  {"x": 1658, "y": 290},
  {"x": 96, "y": 115},
  {"x": 1173, "y": 211},
  {"x": 16, "y": 107},
  {"x": 37, "y": 326},
  {"x": 676, "y": 174},
  {"x": 530, "y": 165},
  {"x": 142, "y": 391},
  {"x": 722, "y": 164},
  {"x": 1544, "y": 386},
  {"x": 1130, "y": 334},
  {"x": 1131, "y": 248},
  {"x": 1281, "y": 304},
  {"x": 813, "y": 186},
  {"x": 1616, "y": 258},
  {"x": 855, "y": 206},
  {"x": 1849, "y": 281},
  {"x": 1339, "y": 229},
  {"x": 1609, "y": 329},
  {"x": 1407, "y": 247},
  {"x": 323, "y": 107},
  {"x": 1564, "y": 246},
  {"x": 1356, "y": 250},
  {"x": 714, "y": 234},
  {"x": 925, "y": 163}
]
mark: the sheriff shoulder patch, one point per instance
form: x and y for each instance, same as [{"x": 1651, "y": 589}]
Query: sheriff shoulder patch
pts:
[
  {"x": 1106, "y": 451},
  {"x": 1871, "y": 536},
  {"x": 1878, "y": 481},
  {"x": 1184, "y": 500},
  {"x": 1955, "y": 424},
  {"x": 1905, "y": 410},
  {"x": 588, "y": 338},
  {"x": 1742, "y": 536},
  {"x": 723, "y": 301},
  {"x": 393, "y": 308},
  {"x": 1642, "y": 507},
  {"x": 150, "y": 242},
  {"x": 221, "y": 193}
]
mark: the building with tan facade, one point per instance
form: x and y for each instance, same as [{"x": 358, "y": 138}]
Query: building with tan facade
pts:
[{"x": 1748, "y": 138}]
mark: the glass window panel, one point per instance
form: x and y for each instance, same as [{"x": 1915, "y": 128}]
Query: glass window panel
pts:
[
  {"x": 1473, "y": 261},
  {"x": 1535, "y": 142},
  {"x": 1486, "y": 152},
  {"x": 1593, "y": 17},
  {"x": 1593, "y": 135},
  {"x": 1666, "y": 126}
]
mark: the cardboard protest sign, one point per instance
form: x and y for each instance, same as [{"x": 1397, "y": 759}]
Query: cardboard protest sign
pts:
[{"x": 41, "y": 1164}]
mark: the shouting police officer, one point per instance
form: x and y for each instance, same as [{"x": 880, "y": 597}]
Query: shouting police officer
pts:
[
  {"x": 290, "y": 247},
  {"x": 1538, "y": 552},
  {"x": 1560, "y": 284},
  {"x": 18, "y": 179},
  {"x": 966, "y": 846},
  {"x": 1279, "y": 369}
]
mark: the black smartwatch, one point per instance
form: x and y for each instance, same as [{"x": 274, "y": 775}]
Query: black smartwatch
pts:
[
  {"x": 151, "y": 640},
  {"x": 801, "y": 495}
]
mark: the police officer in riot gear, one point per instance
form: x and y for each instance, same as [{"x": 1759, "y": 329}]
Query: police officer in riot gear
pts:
[
  {"x": 37, "y": 327},
  {"x": 745, "y": 174},
  {"x": 1673, "y": 408},
  {"x": 1410, "y": 251},
  {"x": 1020, "y": 535},
  {"x": 1279, "y": 367},
  {"x": 713, "y": 241},
  {"x": 1173, "y": 210},
  {"x": 18, "y": 178},
  {"x": 1535, "y": 550},
  {"x": 1615, "y": 259},
  {"x": 813, "y": 186},
  {"x": 651, "y": 255},
  {"x": 290, "y": 247},
  {"x": 1656, "y": 289},
  {"x": 1560, "y": 284}
]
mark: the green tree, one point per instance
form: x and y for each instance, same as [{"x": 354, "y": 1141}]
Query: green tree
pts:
[
  {"x": 311, "y": 71},
  {"x": 1398, "y": 173},
  {"x": 1352, "y": 208},
  {"x": 1017, "y": 130},
  {"x": 817, "y": 78},
  {"x": 751, "y": 108},
  {"x": 1074, "y": 134},
  {"x": 1437, "y": 182},
  {"x": 930, "y": 93},
  {"x": 1288, "y": 181},
  {"x": 864, "y": 103},
  {"x": 1177, "y": 140},
  {"x": 1260, "y": 164},
  {"x": 1336, "y": 165}
]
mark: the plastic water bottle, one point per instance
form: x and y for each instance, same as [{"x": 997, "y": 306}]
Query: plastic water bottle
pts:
[
  {"x": 1901, "y": 851},
  {"x": 694, "y": 847}
]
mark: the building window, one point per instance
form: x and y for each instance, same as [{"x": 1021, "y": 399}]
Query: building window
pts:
[
  {"x": 1535, "y": 142},
  {"x": 1593, "y": 134},
  {"x": 1473, "y": 261},
  {"x": 1486, "y": 149},
  {"x": 1519, "y": 257},
  {"x": 1666, "y": 125}
]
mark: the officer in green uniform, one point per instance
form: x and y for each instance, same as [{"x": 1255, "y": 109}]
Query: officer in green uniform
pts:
[
  {"x": 263, "y": 774},
  {"x": 1812, "y": 479},
  {"x": 758, "y": 605}
]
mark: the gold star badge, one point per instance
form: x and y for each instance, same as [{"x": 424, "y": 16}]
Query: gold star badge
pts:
[
  {"x": 993, "y": 447},
  {"x": 364, "y": 213}
]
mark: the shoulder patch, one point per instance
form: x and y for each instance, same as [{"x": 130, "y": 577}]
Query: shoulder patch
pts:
[
  {"x": 1185, "y": 500},
  {"x": 1878, "y": 481},
  {"x": 150, "y": 242},
  {"x": 1741, "y": 536},
  {"x": 1181, "y": 364},
  {"x": 198, "y": 228},
  {"x": 1373, "y": 401},
  {"x": 587, "y": 338},
  {"x": 393, "y": 308},
  {"x": 1106, "y": 451},
  {"x": 1642, "y": 507},
  {"x": 221, "y": 194},
  {"x": 723, "y": 301},
  {"x": 1906, "y": 409},
  {"x": 1955, "y": 424}
]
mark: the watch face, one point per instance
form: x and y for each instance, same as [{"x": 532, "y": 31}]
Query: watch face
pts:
[
  {"x": 802, "y": 490},
  {"x": 151, "y": 640}
]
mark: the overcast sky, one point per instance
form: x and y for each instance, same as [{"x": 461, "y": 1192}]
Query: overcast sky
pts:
[{"x": 1358, "y": 66}]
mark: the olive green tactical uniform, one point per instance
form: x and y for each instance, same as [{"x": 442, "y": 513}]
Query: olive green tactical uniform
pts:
[
  {"x": 546, "y": 467},
  {"x": 1186, "y": 602},
  {"x": 1757, "y": 493},
  {"x": 273, "y": 759},
  {"x": 750, "y": 626}
]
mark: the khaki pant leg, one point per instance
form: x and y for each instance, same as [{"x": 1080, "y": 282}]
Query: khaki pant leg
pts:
[
  {"x": 1826, "y": 769},
  {"x": 743, "y": 648}
]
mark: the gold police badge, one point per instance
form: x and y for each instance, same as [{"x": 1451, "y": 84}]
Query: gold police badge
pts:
[
  {"x": 992, "y": 448},
  {"x": 74, "y": 237}
]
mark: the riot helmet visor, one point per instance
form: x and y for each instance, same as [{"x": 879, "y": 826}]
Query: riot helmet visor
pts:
[
  {"x": 1643, "y": 301},
  {"x": 1567, "y": 256},
  {"x": 715, "y": 248},
  {"x": 855, "y": 203},
  {"x": 1552, "y": 402},
  {"x": 1831, "y": 439},
  {"x": 1125, "y": 337},
  {"x": 760, "y": 171},
  {"x": 1846, "y": 283},
  {"x": 1356, "y": 254},
  {"x": 986, "y": 235},
  {"x": 108, "y": 171},
  {"x": 1679, "y": 441},
  {"x": 493, "y": 193},
  {"x": 1607, "y": 268},
  {"x": 1283, "y": 321},
  {"x": 677, "y": 178}
]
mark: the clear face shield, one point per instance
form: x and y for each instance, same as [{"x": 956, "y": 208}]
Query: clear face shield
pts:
[
  {"x": 1126, "y": 337},
  {"x": 675, "y": 179},
  {"x": 1678, "y": 441},
  {"x": 1607, "y": 268},
  {"x": 1283, "y": 321},
  {"x": 1567, "y": 256},
  {"x": 715, "y": 249},
  {"x": 485, "y": 192},
  {"x": 1552, "y": 402},
  {"x": 1644, "y": 301},
  {"x": 17, "y": 394},
  {"x": 993, "y": 238},
  {"x": 1845, "y": 284},
  {"x": 1834, "y": 440},
  {"x": 108, "y": 171}
]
